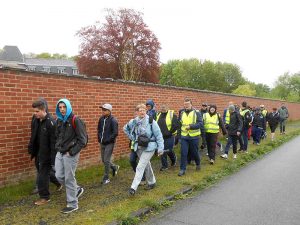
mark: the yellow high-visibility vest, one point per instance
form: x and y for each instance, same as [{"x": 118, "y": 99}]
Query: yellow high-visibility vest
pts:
[
  {"x": 169, "y": 119},
  {"x": 227, "y": 117},
  {"x": 211, "y": 123},
  {"x": 243, "y": 112},
  {"x": 264, "y": 112},
  {"x": 186, "y": 120}
]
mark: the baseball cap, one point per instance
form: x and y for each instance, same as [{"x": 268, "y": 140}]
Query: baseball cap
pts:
[{"x": 106, "y": 106}]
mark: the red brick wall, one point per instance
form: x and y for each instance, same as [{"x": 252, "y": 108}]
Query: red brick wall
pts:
[{"x": 18, "y": 89}]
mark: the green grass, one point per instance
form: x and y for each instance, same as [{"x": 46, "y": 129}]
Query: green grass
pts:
[{"x": 103, "y": 204}]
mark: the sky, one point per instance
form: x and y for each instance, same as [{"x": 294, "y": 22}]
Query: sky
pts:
[{"x": 260, "y": 36}]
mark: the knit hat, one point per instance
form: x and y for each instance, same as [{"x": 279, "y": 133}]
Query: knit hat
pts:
[{"x": 231, "y": 108}]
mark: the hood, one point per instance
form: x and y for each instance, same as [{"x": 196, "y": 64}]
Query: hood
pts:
[
  {"x": 150, "y": 102},
  {"x": 69, "y": 110},
  {"x": 212, "y": 106},
  {"x": 45, "y": 103}
]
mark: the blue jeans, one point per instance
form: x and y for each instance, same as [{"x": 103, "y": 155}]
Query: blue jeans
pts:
[
  {"x": 256, "y": 134},
  {"x": 189, "y": 144},
  {"x": 168, "y": 145},
  {"x": 245, "y": 139},
  {"x": 228, "y": 144}
]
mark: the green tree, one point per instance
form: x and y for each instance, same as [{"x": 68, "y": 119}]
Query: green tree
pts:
[{"x": 245, "y": 89}]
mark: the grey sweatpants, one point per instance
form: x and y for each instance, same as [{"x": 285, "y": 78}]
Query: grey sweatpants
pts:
[
  {"x": 106, "y": 153},
  {"x": 65, "y": 167},
  {"x": 143, "y": 165}
]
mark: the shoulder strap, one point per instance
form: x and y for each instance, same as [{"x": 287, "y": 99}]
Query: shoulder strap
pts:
[
  {"x": 73, "y": 122},
  {"x": 150, "y": 120}
]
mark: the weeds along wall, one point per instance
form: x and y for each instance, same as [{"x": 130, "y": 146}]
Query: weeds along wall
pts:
[{"x": 18, "y": 89}]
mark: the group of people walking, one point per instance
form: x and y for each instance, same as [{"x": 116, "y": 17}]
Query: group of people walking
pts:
[{"x": 56, "y": 144}]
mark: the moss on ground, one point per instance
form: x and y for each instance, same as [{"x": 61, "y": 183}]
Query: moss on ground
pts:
[{"x": 102, "y": 204}]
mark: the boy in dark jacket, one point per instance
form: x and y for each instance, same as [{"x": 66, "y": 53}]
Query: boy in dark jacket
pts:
[
  {"x": 33, "y": 148},
  {"x": 258, "y": 126},
  {"x": 273, "y": 119},
  {"x": 107, "y": 134},
  {"x": 41, "y": 147},
  {"x": 234, "y": 129},
  {"x": 71, "y": 138},
  {"x": 168, "y": 124}
]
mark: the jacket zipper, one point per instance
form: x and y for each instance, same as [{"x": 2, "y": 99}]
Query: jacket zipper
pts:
[{"x": 103, "y": 129}]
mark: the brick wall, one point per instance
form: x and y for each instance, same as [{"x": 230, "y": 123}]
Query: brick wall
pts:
[{"x": 18, "y": 89}]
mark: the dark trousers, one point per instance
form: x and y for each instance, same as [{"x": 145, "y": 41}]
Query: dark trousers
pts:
[
  {"x": 244, "y": 136},
  {"x": 211, "y": 142},
  {"x": 106, "y": 153},
  {"x": 282, "y": 125},
  {"x": 256, "y": 134},
  {"x": 168, "y": 147},
  {"x": 234, "y": 139},
  {"x": 189, "y": 144},
  {"x": 45, "y": 174},
  {"x": 45, "y": 167},
  {"x": 228, "y": 144}
]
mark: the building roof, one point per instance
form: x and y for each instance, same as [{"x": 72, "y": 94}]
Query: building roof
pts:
[
  {"x": 12, "y": 65},
  {"x": 11, "y": 53},
  {"x": 50, "y": 62}
]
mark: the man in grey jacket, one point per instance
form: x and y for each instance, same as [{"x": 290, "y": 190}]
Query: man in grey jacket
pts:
[{"x": 283, "y": 114}]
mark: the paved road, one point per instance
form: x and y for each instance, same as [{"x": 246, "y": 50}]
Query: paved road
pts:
[{"x": 265, "y": 192}]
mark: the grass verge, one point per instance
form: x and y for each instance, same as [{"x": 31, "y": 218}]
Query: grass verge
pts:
[{"x": 103, "y": 204}]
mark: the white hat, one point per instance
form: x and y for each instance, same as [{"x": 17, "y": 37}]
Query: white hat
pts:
[{"x": 106, "y": 106}]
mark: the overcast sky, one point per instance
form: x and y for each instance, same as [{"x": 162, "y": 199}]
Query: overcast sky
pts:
[{"x": 260, "y": 36}]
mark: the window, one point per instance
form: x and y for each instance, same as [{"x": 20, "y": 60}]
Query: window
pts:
[
  {"x": 31, "y": 68},
  {"x": 46, "y": 69},
  {"x": 61, "y": 70},
  {"x": 75, "y": 71}
]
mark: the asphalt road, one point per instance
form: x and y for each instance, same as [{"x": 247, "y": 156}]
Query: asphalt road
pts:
[{"x": 265, "y": 192}]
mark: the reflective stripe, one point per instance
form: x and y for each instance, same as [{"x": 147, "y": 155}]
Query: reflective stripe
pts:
[
  {"x": 211, "y": 123},
  {"x": 187, "y": 120}
]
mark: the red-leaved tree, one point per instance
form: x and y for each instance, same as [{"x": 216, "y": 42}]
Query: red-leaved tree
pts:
[{"x": 122, "y": 47}]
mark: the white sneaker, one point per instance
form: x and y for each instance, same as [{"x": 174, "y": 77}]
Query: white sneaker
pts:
[
  {"x": 234, "y": 156},
  {"x": 224, "y": 156}
]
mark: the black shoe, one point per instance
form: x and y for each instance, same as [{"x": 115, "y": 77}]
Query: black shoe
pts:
[
  {"x": 131, "y": 191},
  {"x": 68, "y": 210},
  {"x": 150, "y": 186},
  {"x": 163, "y": 168},
  {"x": 79, "y": 193},
  {"x": 198, "y": 167},
  {"x": 35, "y": 191},
  {"x": 173, "y": 164},
  {"x": 181, "y": 173},
  {"x": 115, "y": 170},
  {"x": 241, "y": 150}
]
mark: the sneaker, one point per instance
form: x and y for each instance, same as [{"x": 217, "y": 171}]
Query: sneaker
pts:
[
  {"x": 206, "y": 154},
  {"x": 240, "y": 150},
  {"x": 131, "y": 191},
  {"x": 79, "y": 193},
  {"x": 59, "y": 188},
  {"x": 181, "y": 173},
  {"x": 150, "y": 186},
  {"x": 234, "y": 156},
  {"x": 69, "y": 209},
  {"x": 257, "y": 143},
  {"x": 212, "y": 161},
  {"x": 106, "y": 181},
  {"x": 198, "y": 167},
  {"x": 42, "y": 201},
  {"x": 224, "y": 156},
  {"x": 163, "y": 169},
  {"x": 35, "y": 191},
  {"x": 115, "y": 170}
]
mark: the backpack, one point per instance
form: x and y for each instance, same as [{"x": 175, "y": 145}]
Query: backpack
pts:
[{"x": 84, "y": 128}]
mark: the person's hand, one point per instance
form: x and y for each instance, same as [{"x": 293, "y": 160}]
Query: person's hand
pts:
[
  {"x": 68, "y": 154},
  {"x": 160, "y": 152},
  {"x": 188, "y": 127},
  {"x": 238, "y": 133}
]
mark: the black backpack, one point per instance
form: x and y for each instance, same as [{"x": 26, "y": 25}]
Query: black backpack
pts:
[{"x": 84, "y": 128}]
